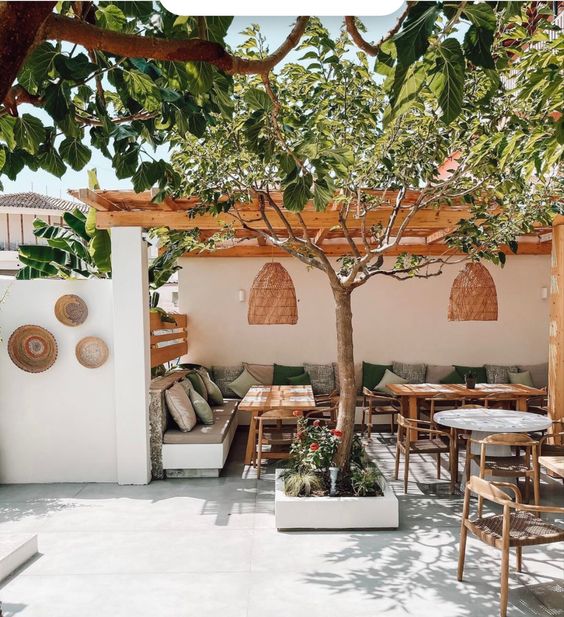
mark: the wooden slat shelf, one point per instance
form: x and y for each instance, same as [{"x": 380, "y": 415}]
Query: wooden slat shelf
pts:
[{"x": 167, "y": 332}]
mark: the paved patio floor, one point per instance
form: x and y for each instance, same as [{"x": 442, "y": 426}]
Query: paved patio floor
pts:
[{"x": 203, "y": 548}]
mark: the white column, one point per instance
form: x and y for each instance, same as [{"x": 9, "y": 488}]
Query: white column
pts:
[{"x": 131, "y": 354}]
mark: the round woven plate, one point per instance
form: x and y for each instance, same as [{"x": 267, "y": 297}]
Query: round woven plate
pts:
[
  {"x": 71, "y": 310},
  {"x": 32, "y": 348},
  {"x": 92, "y": 352}
]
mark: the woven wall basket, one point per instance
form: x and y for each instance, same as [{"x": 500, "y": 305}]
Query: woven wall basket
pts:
[
  {"x": 32, "y": 348},
  {"x": 272, "y": 299},
  {"x": 473, "y": 296}
]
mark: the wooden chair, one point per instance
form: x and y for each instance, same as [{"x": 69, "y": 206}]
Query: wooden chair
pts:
[
  {"x": 377, "y": 404},
  {"x": 274, "y": 433},
  {"x": 553, "y": 449},
  {"x": 326, "y": 409},
  {"x": 436, "y": 442},
  {"x": 516, "y": 466},
  {"x": 518, "y": 526}
]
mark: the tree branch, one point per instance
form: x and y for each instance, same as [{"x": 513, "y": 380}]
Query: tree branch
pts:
[
  {"x": 369, "y": 48},
  {"x": 63, "y": 28}
]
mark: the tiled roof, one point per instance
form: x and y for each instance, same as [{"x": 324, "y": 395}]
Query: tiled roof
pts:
[{"x": 35, "y": 201}]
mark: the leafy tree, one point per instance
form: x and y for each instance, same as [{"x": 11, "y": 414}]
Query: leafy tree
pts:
[
  {"x": 122, "y": 77},
  {"x": 324, "y": 130}
]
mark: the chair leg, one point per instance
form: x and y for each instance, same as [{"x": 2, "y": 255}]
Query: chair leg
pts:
[
  {"x": 438, "y": 465},
  {"x": 369, "y": 425},
  {"x": 462, "y": 551},
  {"x": 504, "y": 582},
  {"x": 519, "y": 554},
  {"x": 396, "y": 471},
  {"x": 259, "y": 450},
  {"x": 527, "y": 489},
  {"x": 406, "y": 470}
]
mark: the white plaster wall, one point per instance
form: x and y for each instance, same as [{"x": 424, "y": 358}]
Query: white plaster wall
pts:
[
  {"x": 59, "y": 425},
  {"x": 393, "y": 320}
]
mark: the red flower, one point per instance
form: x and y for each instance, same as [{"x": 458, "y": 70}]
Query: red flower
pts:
[
  {"x": 316, "y": 422},
  {"x": 336, "y": 433},
  {"x": 300, "y": 434},
  {"x": 296, "y": 413},
  {"x": 314, "y": 447}
]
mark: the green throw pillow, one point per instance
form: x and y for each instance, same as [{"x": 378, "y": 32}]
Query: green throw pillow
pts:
[
  {"x": 479, "y": 372},
  {"x": 198, "y": 383},
  {"x": 300, "y": 380},
  {"x": 388, "y": 378},
  {"x": 244, "y": 383},
  {"x": 201, "y": 407},
  {"x": 372, "y": 374},
  {"x": 523, "y": 378},
  {"x": 215, "y": 397},
  {"x": 453, "y": 377},
  {"x": 283, "y": 373}
]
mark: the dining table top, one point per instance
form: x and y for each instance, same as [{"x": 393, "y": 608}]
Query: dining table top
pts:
[
  {"x": 260, "y": 398},
  {"x": 462, "y": 391},
  {"x": 487, "y": 420}
]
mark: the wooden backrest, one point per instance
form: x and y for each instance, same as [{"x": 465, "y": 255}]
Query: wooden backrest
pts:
[
  {"x": 487, "y": 490},
  {"x": 509, "y": 439}
]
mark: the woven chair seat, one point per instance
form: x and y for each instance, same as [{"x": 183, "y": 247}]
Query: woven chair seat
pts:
[
  {"x": 525, "y": 529},
  {"x": 428, "y": 446},
  {"x": 508, "y": 464}
]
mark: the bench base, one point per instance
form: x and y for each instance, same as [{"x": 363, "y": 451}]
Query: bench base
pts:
[{"x": 192, "y": 473}]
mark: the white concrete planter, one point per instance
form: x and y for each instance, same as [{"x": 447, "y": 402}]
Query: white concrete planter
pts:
[{"x": 335, "y": 512}]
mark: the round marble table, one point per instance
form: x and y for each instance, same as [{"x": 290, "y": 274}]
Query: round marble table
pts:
[{"x": 483, "y": 422}]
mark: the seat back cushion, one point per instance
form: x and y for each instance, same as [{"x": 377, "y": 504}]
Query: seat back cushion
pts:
[
  {"x": 413, "y": 373},
  {"x": 539, "y": 373},
  {"x": 436, "y": 372},
  {"x": 283, "y": 372},
  {"x": 224, "y": 375},
  {"x": 322, "y": 377},
  {"x": 198, "y": 383},
  {"x": 523, "y": 378},
  {"x": 372, "y": 374},
  {"x": 244, "y": 382},
  {"x": 180, "y": 407},
  {"x": 215, "y": 397},
  {"x": 498, "y": 373},
  {"x": 263, "y": 372},
  {"x": 479, "y": 372},
  {"x": 388, "y": 378},
  {"x": 300, "y": 380},
  {"x": 201, "y": 406}
]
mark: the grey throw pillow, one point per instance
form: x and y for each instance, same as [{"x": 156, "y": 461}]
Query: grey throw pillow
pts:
[
  {"x": 412, "y": 373},
  {"x": 244, "y": 382},
  {"x": 203, "y": 411},
  {"x": 499, "y": 374},
  {"x": 264, "y": 373},
  {"x": 322, "y": 377},
  {"x": 180, "y": 407},
  {"x": 224, "y": 375},
  {"x": 388, "y": 379},
  {"x": 539, "y": 373}
]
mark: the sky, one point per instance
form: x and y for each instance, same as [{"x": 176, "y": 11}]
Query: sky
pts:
[{"x": 275, "y": 30}]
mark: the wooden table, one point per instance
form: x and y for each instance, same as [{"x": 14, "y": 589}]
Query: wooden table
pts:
[
  {"x": 410, "y": 394},
  {"x": 262, "y": 398},
  {"x": 553, "y": 463}
]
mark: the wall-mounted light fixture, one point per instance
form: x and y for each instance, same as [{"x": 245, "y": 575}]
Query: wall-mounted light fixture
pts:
[
  {"x": 242, "y": 295},
  {"x": 544, "y": 293}
]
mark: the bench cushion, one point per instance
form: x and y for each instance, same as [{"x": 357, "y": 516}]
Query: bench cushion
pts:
[{"x": 202, "y": 434}]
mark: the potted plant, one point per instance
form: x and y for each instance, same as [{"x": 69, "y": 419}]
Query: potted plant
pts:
[
  {"x": 470, "y": 380},
  {"x": 312, "y": 493}
]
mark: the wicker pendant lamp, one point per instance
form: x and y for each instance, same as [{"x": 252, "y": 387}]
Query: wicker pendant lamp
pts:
[
  {"x": 272, "y": 299},
  {"x": 473, "y": 296}
]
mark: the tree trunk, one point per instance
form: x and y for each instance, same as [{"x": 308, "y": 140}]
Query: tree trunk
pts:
[
  {"x": 20, "y": 23},
  {"x": 345, "y": 361}
]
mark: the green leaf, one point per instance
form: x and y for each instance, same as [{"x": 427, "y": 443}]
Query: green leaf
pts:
[
  {"x": 145, "y": 177},
  {"x": 481, "y": 15},
  {"x": 77, "y": 222},
  {"x": 29, "y": 132},
  {"x": 41, "y": 253},
  {"x": 29, "y": 273},
  {"x": 76, "y": 68},
  {"x": 2, "y": 158},
  {"x": 405, "y": 90},
  {"x": 559, "y": 131},
  {"x": 412, "y": 40},
  {"x": 51, "y": 161},
  {"x": 75, "y": 153},
  {"x": 110, "y": 17},
  {"x": 56, "y": 101},
  {"x": 7, "y": 124},
  {"x": 125, "y": 163},
  {"x": 93, "y": 183},
  {"x": 100, "y": 250},
  {"x": 90, "y": 225},
  {"x": 477, "y": 47},
  {"x": 143, "y": 90},
  {"x": 323, "y": 192},
  {"x": 38, "y": 66},
  {"x": 258, "y": 99},
  {"x": 448, "y": 81},
  {"x": 200, "y": 77},
  {"x": 297, "y": 194}
]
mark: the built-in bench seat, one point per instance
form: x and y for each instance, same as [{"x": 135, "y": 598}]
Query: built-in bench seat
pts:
[{"x": 201, "y": 452}]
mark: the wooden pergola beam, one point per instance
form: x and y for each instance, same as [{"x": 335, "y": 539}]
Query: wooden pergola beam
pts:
[
  {"x": 427, "y": 218},
  {"x": 342, "y": 249},
  {"x": 441, "y": 234},
  {"x": 94, "y": 200}
]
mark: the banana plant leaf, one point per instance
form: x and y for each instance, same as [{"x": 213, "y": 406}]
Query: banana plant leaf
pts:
[
  {"x": 42, "y": 253},
  {"x": 77, "y": 222},
  {"x": 28, "y": 273},
  {"x": 100, "y": 249},
  {"x": 74, "y": 247},
  {"x": 42, "y": 230}
]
